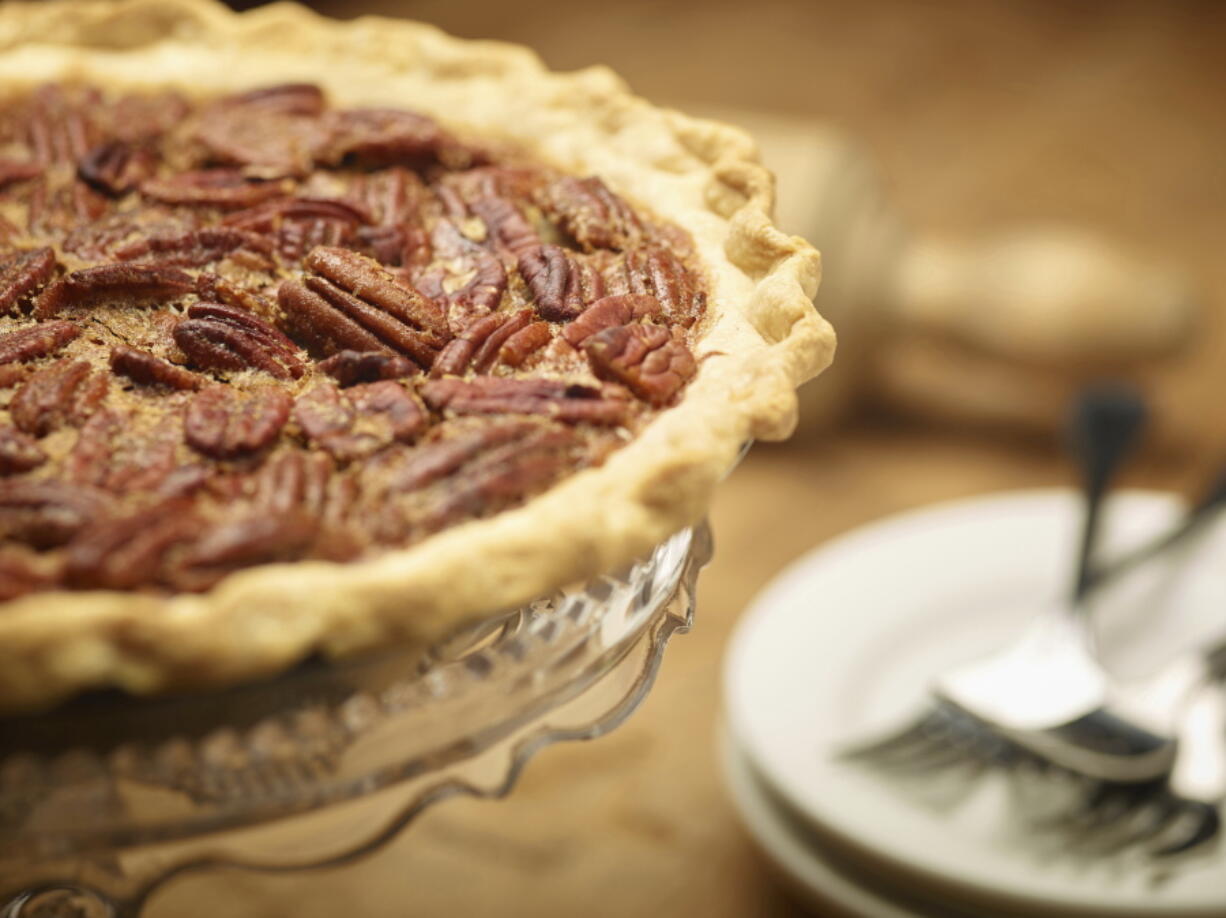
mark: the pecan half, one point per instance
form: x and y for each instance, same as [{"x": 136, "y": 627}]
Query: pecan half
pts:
[
  {"x": 115, "y": 283},
  {"x": 13, "y": 171},
  {"x": 226, "y": 189},
  {"x": 349, "y": 368},
  {"x": 276, "y": 343},
  {"x": 610, "y": 311},
  {"x": 300, "y": 224},
  {"x": 323, "y": 330},
  {"x": 269, "y": 215},
  {"x": 410, "y": 470},
  {"x": 259, "y": 538},
  {"x": 391, "y": 332},
  {"x": 395, "y": 244},
  {"x": 396, "y": 200},
  {"x": 656, "y": 271},
  {"x": 212, "y": 288},
  {"x": 479, "y": 344},
  {"x": 291, "y": 480},
  {"x": 115, "y": 167},
  {"x": 142, "y": 117},
  {"x": 322, "y": 412},
  {"x": 646, "y": 358},
  {"x": 94, "y": 241},
  {"x": 61, "y": 211},
  {"x": 391, "y": 196},
  {"x": 561, "y": 286},
  {"x": 113, "y": 455},
  {"x": 296, "y": 237},
  {"x": 223, "y": 423},
  {"x": 36, "y": 341},
  {"x": 39, "y": 220},
  {"x": 126, "y": 552},
  {"x": 24, "y": 273},
  {"x": 388, "y": 137},
  {"x": 506, "y": 226},
  {"x": 195, "y": 248},
  {"x": 219, "y": 337},
  {"x": 271, "y": 135},
  {"x": 60, "y": 131},
  {"x": 183, "y": 480},
  {"x": 217, "y": 346},
  {"x": 503, "y": 477},
  {"x": 286, "y": 98},
  {"x": 340, "y": 536},
  {"x": 12, "y": 375},
  {"x": 367, "y": 280},
  {"x": 431, "y": 286},
  {"x": 483, "y": 291},
  {"x": 519, "y": 183},
  {"x": 449, "y": 243},
  {"x": 587, "y": 211},
  {"x": 524, "y": 343},
  {"x": 567, "y": 402},
  {"x": 356, "y": 305},
  {"x": 360, "y": 421},
  {"x": 18, "y": 451},
  {"x": 455, "y": 208},
  {"x": 67, "y": 392},
  {"x": 57, "y": 210},
  {"x": 46, "y": 513},
  {"x": 147, "y": 370},
  {"x": 388, "y": 405},
  {"x": 86, "y": 204},
  {"x": 90, "y": 461}
]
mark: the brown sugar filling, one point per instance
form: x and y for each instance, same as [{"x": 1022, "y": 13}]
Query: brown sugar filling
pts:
[{"x": 258, "y": 329}]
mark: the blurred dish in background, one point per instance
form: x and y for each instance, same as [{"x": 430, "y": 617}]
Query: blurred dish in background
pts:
[
  {"x": 998, "y": 330},
  {"x": 794, "y": 852},
  {"x": 843, "y": 645}
]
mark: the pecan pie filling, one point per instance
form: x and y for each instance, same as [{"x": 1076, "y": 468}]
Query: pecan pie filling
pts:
[{"x": 259, "y": 328}]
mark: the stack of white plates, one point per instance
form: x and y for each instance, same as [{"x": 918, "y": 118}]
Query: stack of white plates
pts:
[{"x": 842, "y": 647}]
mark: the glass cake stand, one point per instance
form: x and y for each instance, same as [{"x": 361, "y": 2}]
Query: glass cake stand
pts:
[{"x": 104, "y": 800}]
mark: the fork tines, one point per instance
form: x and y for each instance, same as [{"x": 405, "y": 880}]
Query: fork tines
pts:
[
  {"x": 943, "y": 735},
  {"x": 1100, "y": 818}
]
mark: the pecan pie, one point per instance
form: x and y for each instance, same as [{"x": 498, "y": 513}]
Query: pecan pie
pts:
[{"x": 315, "y": 336}]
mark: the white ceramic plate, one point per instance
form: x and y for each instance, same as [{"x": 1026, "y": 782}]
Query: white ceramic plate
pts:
[
  {"x": 819, "y": 882},
  {"x": 844, "y": 643}
]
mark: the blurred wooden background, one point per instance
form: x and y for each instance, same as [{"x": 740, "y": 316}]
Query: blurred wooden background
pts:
[{"x": 1107, "y": 114}]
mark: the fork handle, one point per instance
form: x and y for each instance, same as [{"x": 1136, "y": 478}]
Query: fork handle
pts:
[
  {"x": 1106, "y": 422},
  {"x": 1193, "y": 522}
]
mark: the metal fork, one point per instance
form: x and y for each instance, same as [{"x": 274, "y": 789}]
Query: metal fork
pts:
[
  {"x": 1046, "y": 693},
  {"x": 1173, "y": 814},
  {"x": 1181, "y": 813}
]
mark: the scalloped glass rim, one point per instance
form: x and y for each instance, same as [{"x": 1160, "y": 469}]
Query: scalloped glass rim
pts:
[{"x": 114, "y": 772}]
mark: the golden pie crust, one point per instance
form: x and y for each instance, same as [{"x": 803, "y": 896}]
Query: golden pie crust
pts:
[{"x": 761, "y": 338}]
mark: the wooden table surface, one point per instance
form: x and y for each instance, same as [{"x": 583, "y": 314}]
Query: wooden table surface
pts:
[{"x": 1108, "y": 114}]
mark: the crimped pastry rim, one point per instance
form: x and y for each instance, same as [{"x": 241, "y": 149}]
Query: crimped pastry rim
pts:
[{"x": 762, "y": 338}]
